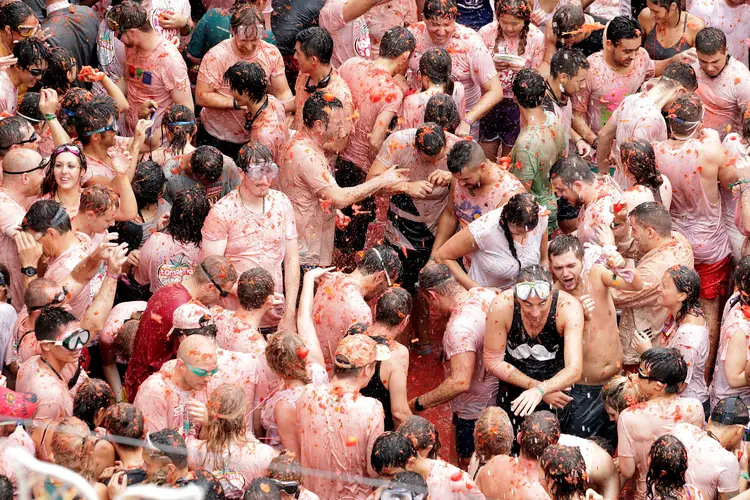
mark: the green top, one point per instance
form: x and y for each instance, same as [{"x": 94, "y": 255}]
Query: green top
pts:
[{"x": 212, "y": 29}]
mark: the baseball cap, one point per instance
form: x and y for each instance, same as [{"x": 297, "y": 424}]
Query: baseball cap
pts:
[
  {"x": 730, "y": 411},
  {"x": 356, "y": 351},
  {"x": 189, "y": 317}
]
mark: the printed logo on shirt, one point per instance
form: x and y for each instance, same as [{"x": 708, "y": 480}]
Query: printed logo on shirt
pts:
[
  {"x": 140, "y": 74},
  {"x": 105, "y": 45},
  {"x": 361, "y": 38},
  {"x": 213, "y": 193},
  {"x": 175, "y": 270},
  {"x": 467, "y": 211}
]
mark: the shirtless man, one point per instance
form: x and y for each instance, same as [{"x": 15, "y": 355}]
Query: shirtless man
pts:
[
  {"x": 555, "y": 321},
  {"x": 586, "y": 416},
  {"x": 480, "y": 186}
]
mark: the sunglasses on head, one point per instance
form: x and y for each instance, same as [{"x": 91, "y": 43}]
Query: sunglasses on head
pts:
[
  {"x": 200, "y": 372},
  {"x": 69, "y": 148},
  {"x": 524, "y": 289},
  {"x": 72, "y": 342},
  {"x": 223, "y": 293},
  {"x": 57, "y": 299},
  {"x": 257, "y": 171}
]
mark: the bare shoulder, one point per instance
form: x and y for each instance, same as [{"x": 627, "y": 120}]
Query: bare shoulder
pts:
[
  {"x": 646, "y": 20},
  {"x": 501, "y": 304}
]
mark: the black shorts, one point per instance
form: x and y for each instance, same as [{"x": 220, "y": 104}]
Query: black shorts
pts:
[
  {"x": 230, "y": 149},
  {"x": 352, "y": 239},
  {"x": 464, "y": 436},
  {"x": 412, "y": 262},
  {"x": 586, "y": 417},
  {"x": 502, "y": 123}
]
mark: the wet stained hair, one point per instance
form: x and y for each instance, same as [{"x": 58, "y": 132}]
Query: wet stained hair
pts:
[
  {"x": 247, "y": 78},
  {"x": 246, "y": 15},
  {"x": 98, "y": 199},
  {"x": 422, "y": 434},
  {"x": 285, "y": 467},
  {"x": 124, "y": 419},
  {"x": 253, "y": 153},
  {"x": 227, "y": 408},
  {"x": 392, "y": 307},
  {"x": 70, "y": 104},
  {"x": 391, "y": 450},
  {"x": 622, "y": 28},
  {"x": 129, "y": 15},
  {"x": 533, "y": 272},
  {"x": 666, "y": 365},
  {"x": 520, "y": 9},
  {"x": 538, "y": 431},
  {"x": 170, "y": 444},
  {"x": 442, "y": 109},
  {"x": 687, "y": 281},
  {"x": 73, "y": 448},
  {"x": 620, "y": 393},
  {"x": 95, "y": 114},
  {"x": 438, "y": 278},
  {"x": 254, "y": 287},
  {"x": 493, "y": 434},
  {"x": 668, "y": 463},
  {"x": 13, "y": 14},
  {"x": 463, "y": 154},
  {"x": 440, "y": 9},
  {"x": 529, "y": 88},
  {"x": 180, "y": 121},
  {"x": 411, "y": 481},
  {"x": 13, "y": 129},
  {"x": 566, "y": 243},
  {"x": 637, "y": 157},
  {"x": 430, "y": 139},
  {"x": 316, "y": 42},
  {"x": 50, "y": 321},
  {"x": 59, "y": 63},
  {"x": 666, "y": 4},
  {"x": 709, "y": 41},
  {"x": 46, "y": 214},
  {"x": 283, "y": 356},
  {"x": 572, "y": 168},
  {"x": 207, "y": 162},
  {"x": 396, "y": 42},
  {"x": 567, "y": 18},
  {"x": 685, "y": 113},
  {"x": 262, "y": 488},
  {"x": 148, "y": 183},
  {"x": 6, "y": 487},
  {"x": 565, "y": 467},
  {"x": 436, "y": 65},
  {"x": 680, "y": 73},
  {"x": 742, "y": 279},
  {"x": 521, "y": 210},
  {"x": 568, "y": 61},
  {"x": 653, "y": 215},
  {"x": 93, "y": 395},
  {"x": 31, "y": 51},
  {"x": 189, "y": 210},
  {"x": 381, "y": 258},
  {"x": 318, "y": 107},
  {"x": 29, "y": 105}
]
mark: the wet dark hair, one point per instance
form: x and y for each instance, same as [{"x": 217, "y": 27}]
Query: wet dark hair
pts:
[
  {"x": 253, "y": 152},
  {"x": 6, "y": 487},
  {"x": 422, "y": 434},
  {"x": 246, "y": 15},
  {"x": 568, "y": 61},
  {"x": 391, "y": 450},
  {"x": 247, "y": 78},
  {"x": 521, "y": 210},
  {"x": 410, "y": 481},
  {"x": 568, "y": 18},
  {"x": 680, "y": 73},
  {"x": 129, "y": 232},
  {"x": 12, "y": 131},
  {"x": 668, "y": 464},
  {"x": 31, "y": 51},
  {"x": 565, "y": 467},
  {"x": 13, "y": 14},
  {"x": 316, "y": 42},
  {"x": 124, "y": 419},
  {"x": 50, "y": 321},
  {"x": 148, "y": 183},
  {"x": 438, "y": 278},
  {"x": 462, "y": 153},
  {"x": 381, "y": 258},
  {"x": 739, "y": 411},
  {"x": 688, "y": 282},
  {"x": 637, "y": 157},
  {"x": 129, "y": 15},
  {"x": 572, "y": 168},
  {"x": 262, "y": 488},
  {"x": 436, "y": 65},
  {"x": 94, "y": 115},
  {"x": 666, "y": 4},
  {"x": 742, "y": 279},
  {"x": 397, "y": 41},
  {"x": 533, "y": 272},
  {"x": 46, "y": 214},
  {"x": 393, "y": 306},
  {"x": 49, "y": 184},
  {"x": 254, "y": 287},
  {"x": 59, "y": 63},
  {"x": 529, "y": 88},
  {"x": 440, "y": 9},
  {"x": 285, "y": 467},
  {"x": 442, "y": 109},
  {"x": 29, "y": 105},
  {"x": 170, "y": 444},
  {"x": 70, "y": 104},
  {"x": 622, "y": 28},
  {"x": 93, "y": 395},
  {"x": 565, "y": 243},
  {"x": 180, "y": 121},
  {"x": 99, "y": 199},
  {"x": 318, "y": 107},
  {"x": 653, "y": 215},
  {"x": 5, "y": 276},
  {"x": 189, "y": 210},
  {"x": 207, "y": 162},
  {"x": 667, "y": 366},
  {"x": 520, "y": 9},
  {"x": 685, "y": 113},
  {"x": 538, "y": 431},
  {"x": 709, "y": 41},
  {"x": 429, "y": 139}
]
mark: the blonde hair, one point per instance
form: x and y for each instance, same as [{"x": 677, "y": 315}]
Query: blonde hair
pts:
[
  {"x": 621, "y": 392},
  {"x": 227, "y": 409},
  {"x": 72, "y": 447},
  {"x": 282, "y": 355}
]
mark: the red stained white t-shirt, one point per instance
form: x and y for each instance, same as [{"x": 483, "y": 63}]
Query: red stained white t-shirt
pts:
[
  {"x": 386, "y": 15},
  {"x": 412, "y": 111},
  {"x": 733, "y": 21},
  {"x": 54, "y": 399},
  {"x": 533, "y": 52},
  {"x": 11, "y": 216},
  {"x": 233, "y": 334},
  {"x": 250, "y": 460},
  {"x": 229, "y": 124},
  {"x": 724, "y": 96},
  {"x": 117, "y": 317},
  {"x": 350, "y": 39},
  {"x": 8, "y": 94},
  {"x": 270, "y": 128},
  {"x": 96, "y": 168},
  {"x": 164, "y": 260},
  {"x": 60, "y": 268},
  {"x": 336, "y": 87},
  {"x": 19, "y": 439}
]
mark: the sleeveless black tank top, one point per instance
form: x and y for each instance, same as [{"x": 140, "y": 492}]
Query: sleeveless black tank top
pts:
[{"x": 377, "y": 390}]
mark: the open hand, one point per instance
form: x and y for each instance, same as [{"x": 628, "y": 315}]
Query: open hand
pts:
[
  {"x": 29, "y": 250},
  {"x": 394, "y": 175},
  {"x": 440, "y": 178},
  {"x": 48, "y": 101}
]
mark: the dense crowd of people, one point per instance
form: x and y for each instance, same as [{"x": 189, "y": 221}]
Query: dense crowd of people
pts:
[{"x": 230, "y": 227}]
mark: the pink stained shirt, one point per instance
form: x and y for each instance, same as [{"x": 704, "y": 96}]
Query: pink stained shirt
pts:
[
  {"x": 448, "y": 481},
  {"x": 253, "y": 240},
  {"x": 336, "y": 87},
  {"x": 374, "y": 91},
  {"x": 605, "y": 89},
  {"x": 304, "y": 173},
  {"x": 412, "y": 111},
  {"x": 734, "y": 322},
  {"x": 235, "y": 335},
  {"x": 710, "y": 467},
  {"x": 153, "y": 76},
  {"x": 96, "y": 168},
  {"x": 386, "y": 15},
  {"x": 337, "y": 305},
  {"x": 465, "y": 333},
  {"x": 640, "y": 425},
  {"x": 601, "y": 211},
  {"x": 736, "y": 148},
  {"x": 61, "y": 266},
  {"x": 692, "y": 342},
  {"x": 724, "y": 96},
  {"x": 337, "y": 431},
  {"x": 533, "y": 53},
  {"x": 8, "y": 94},
  {"x": 18, "y": 439},
  {"x": 250, "y": 459},
  {"x": 350, "y": 39},
  {"x": 470, "y": 207},
  {"x": 164, "y": 260},
  {"x": 119, "y": 314},
  {"x": 270, "y": 128},
  {"x": 472, "y": 62},
  {"x": 693, "y": 215},
  {"x": 229, "y": 124},
  {"x": 11, "y": 216},
  {"x": 54, "y": 399},
  {"x": 733, "y": 21}
]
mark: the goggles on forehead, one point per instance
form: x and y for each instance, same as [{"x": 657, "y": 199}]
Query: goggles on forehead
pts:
[
  {"x": 524, "y": 289},
  {"x": 256, "y": 171},
  {"x": 57, "y": 299},
  {"x": 72, "y": 342},
  {"x": 69, "y": 148}
]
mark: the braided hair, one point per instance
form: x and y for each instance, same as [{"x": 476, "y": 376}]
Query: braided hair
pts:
[
  {"x": 516, "y": 8},
  {"x": 638, "y": 158},
  {"x": 688, "y": 282},
  {"x": 521, "y": 210}
]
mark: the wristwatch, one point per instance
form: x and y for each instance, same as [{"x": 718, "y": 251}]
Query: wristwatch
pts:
[{"x": 29, "y": 271}]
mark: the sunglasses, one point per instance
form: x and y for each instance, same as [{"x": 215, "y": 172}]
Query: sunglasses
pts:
[
  {"x": 382, "y": 264},
  {"x": 222, "y": 292},
  {"x": 112, "y": 127},
  {"x": 256, "y": 172},
  {"x": 643, "y": 376},
  {"x": 72, "y": 342},
  {"x": 524, "y": 289},
  {"x": 34, "y": 137},
  {"x": 200, "y": 372},
  {"x": 58, "y": 299},
  {"x": 288, "y": 487},
  {"x": 37, "y": 72}
]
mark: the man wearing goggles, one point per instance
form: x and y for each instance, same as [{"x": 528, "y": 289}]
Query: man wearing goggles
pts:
[
  {"x": 533, "y": 344},
  {"x": 29, "y": 64}
]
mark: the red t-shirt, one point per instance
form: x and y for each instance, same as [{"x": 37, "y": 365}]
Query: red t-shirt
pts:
[{"x": 152, "y": 348}]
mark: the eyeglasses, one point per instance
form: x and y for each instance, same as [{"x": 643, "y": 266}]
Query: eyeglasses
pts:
[
  {"x": 524, "y": 289},
  {"x": 382, "y": 264},
  {"x": 26, "y": 30},
  {"x": 69, "y": 148},
  {"x": 58, "y": 299},
  {"x": 257, "y": 171},
  {"x": 200, "y": 372},
  {"x": 112, "y": 127},
  {"x": 222, "y": 292},
  {"x": 643, "y": 376},
  {"x": 72, "y": 342}
]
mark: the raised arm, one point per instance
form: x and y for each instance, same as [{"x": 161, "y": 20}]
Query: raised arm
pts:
[{"x": 305, "y": 322}]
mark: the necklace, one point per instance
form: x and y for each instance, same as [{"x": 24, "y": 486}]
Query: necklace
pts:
[{"x": 51, "y": 368}]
